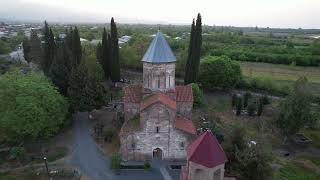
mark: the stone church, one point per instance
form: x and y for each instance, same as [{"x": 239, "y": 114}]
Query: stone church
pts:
[{"x": 157, "y": 112}]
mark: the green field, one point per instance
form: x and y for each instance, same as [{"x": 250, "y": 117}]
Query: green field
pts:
[{"x": 283, "y": 75}]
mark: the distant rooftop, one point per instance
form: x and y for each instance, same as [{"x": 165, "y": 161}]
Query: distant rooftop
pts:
[{"x": 159, "y": 51}]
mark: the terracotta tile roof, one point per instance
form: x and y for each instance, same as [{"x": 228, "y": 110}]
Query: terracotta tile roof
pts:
[
  {"x": 160, "y": 97},
  {"x": 206, "y": 151},
  {"x": 185, "y": 125},
  {"x": 132, "y": 93},
  {"x": 184, "y": 93}
]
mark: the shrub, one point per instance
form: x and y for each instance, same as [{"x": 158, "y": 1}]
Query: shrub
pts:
[
  {"x": 251, "y": 108},
  {"x": 246, "y": 98},
  {"x": 260, "y": 107},
  {"x": 18, "y": 153},
  {"x": 239, "y": 106},
  {"x": 219, "y": 72},
  {"x": 146, "y": 165},
  {"x": 197, "y": 95},
  {"x": 234, "y": 100},
  {"x": 265, "y": 100}
]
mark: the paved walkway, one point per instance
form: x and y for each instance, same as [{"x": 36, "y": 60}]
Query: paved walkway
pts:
[{"x": 94, "y": 164}]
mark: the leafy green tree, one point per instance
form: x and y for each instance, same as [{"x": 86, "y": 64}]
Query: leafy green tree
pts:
[
  {"x": 33, "y": 109},
  {"x": 114, "y": 49},
  {"x": 219, "y": 72},
  {"x": 86, "y": 91},
  {"x": 4, "y": 47},
  {"x": 254, "y": 162},
  {"x": 295, "y": 110},
  {"x": 193, "y": 61},
  {"x": 197, "y": 95}
]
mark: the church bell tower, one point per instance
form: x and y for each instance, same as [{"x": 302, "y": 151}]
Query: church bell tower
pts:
[{"x": 159, "y": 66}]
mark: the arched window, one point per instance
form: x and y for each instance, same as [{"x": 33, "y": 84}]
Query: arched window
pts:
[
  {"x": 158, "y": 81},
  {"x": 169, "y": 81}
]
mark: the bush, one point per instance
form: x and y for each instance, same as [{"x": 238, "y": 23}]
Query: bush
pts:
[
  {"x": 265, "y": 100},
  {"x": 146, "y": 165},
  {"x": 239, "y": 106},
  {"x": 234, "y": 100},
  {"x": 260, "y": 107},
  {"x": 33, "y": 107},
  {"x": 219, "y": 72},
  {"x": 18, "y": 153},
  {"x": 251, "y": 108},
  {"x": 246, "y": 98},
  {"x": 197, "y": 95}
]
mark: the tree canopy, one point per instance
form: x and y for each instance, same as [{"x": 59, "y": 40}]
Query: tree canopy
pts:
[
  {"x": 219, "y": 72},
  {"x": 86, "y": 91},
  {"x": 33, "y": 107},
  {"x": 295, "y": 110}
]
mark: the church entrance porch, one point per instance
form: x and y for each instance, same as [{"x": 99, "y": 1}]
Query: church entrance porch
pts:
[{"x": 157, "y": 153}]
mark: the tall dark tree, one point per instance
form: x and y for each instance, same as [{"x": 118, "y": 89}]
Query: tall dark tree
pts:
[
  {"x": 76, "y": 48},
  {"x": 86, "y": 91},
  {"x": 114, "y": 63},
  {"x": 193, "y": 61},
  {"x": 35, "y": 48},
  {"x": 59, "y": 70},
  {"x": 105, "y": 54},
  {"x": 99, "y": 52},
  {"x": 26, "y": 49},
  {"x": 188, "y": 68},
  {"x": 49, "y": 46}
]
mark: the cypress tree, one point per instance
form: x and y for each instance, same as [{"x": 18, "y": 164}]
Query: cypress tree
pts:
[
  {"x": 26, "y": 49},
  {"x": 188, "y": 68},
  {"x": 197, "y": 49},
  {"x": 59, "y": 71},
  {"x": 49, "y": 46},
  {"x": 35, "y": 49},
  {"x": 76, "y": 48},
  {"x": 114, "y": 63},
  {"x": 193, "y": 61},
  {"x": 99, "y": 52},
  {"x": 105, "y": 54},
  {"x": 86, "y": 91}
]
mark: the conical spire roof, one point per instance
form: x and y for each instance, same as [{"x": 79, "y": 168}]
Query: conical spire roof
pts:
[
  {"x": 206, "y": 151},
  {"x": 159, "y": 51}
]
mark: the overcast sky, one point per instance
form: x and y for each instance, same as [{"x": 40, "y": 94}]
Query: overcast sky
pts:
[{"x": 263, "y": 13}]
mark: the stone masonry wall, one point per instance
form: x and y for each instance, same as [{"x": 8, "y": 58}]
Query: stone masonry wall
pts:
[
  {"x": 159, "y": 77},
  {"x": 184, "y": 109},
  {"x": 140, "y": 145}
]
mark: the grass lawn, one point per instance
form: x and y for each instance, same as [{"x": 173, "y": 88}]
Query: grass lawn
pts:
[
  {"x": 280, "y": 72},
  {"x": 294, "y": 171},
  {"x": 283, "y": 75}
]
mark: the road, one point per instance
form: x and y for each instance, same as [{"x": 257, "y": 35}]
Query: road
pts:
[{"x": 93, "y": 163}]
